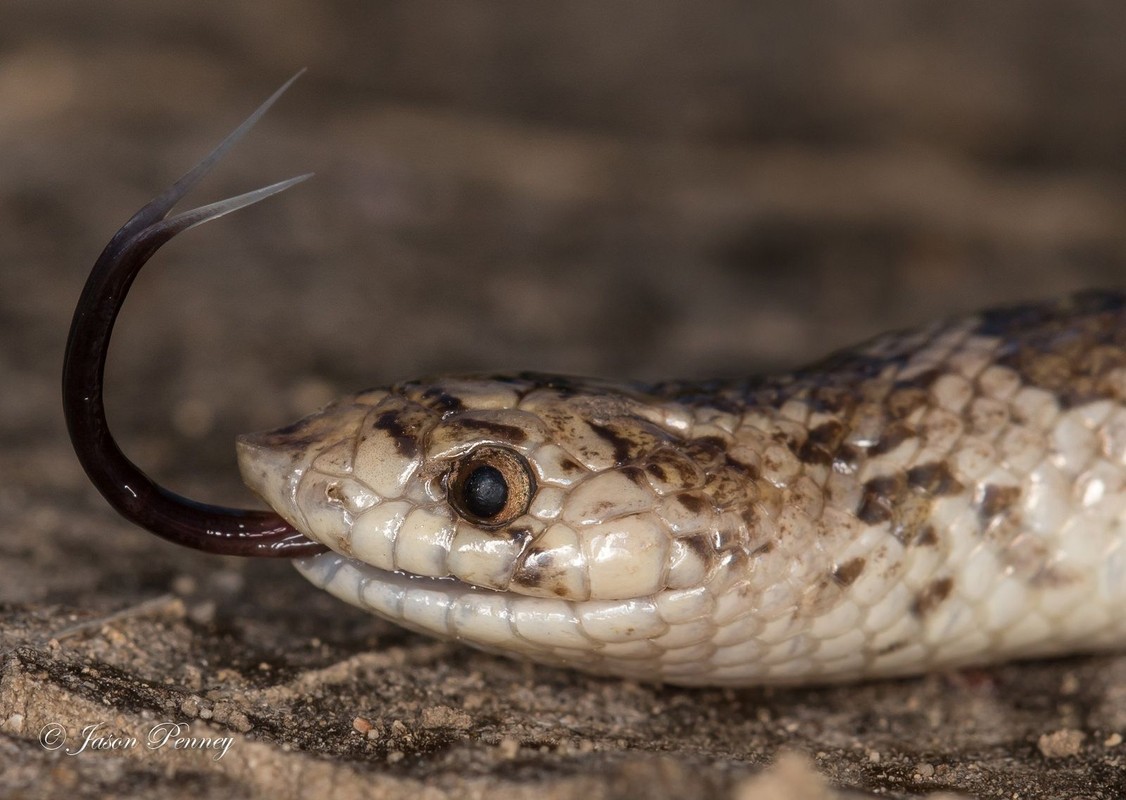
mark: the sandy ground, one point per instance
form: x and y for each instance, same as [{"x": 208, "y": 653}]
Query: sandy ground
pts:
[{"x": 636, "y": 189}]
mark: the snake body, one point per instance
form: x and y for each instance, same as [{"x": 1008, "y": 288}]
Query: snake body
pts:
[{"x": 933, "y": 498}]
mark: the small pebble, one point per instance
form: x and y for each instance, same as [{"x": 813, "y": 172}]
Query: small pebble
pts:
[
  {"x": 1062, "y": 743},
  {"x": 791, "y": 775},
  {"x": 190, "y": 706},
  {"x": 445, "y": 717}
]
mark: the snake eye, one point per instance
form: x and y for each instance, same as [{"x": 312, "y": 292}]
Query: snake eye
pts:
[{"x": 491, "y": 486}]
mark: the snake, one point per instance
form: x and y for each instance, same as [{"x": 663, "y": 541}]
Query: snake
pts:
[{"x": 946, "y": 496}]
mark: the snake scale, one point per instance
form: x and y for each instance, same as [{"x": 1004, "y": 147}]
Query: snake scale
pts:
[{"x": 933, "y": 498}]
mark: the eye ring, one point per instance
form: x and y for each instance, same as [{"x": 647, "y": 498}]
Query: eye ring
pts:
[{"x": 491, "y": 486}]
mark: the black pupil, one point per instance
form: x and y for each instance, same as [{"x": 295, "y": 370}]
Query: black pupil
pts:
[{"x": 485, "y": 492}]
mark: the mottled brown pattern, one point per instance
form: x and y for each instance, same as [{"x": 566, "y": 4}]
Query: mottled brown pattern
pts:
[
  {"x": 668, "y": 466},
  {"x": 833, "y": 399},
  {"x": 569, "y": 466},
  {"x": 705, "y": 451},
  {"x": 927, "y": 537},
  {"x": 880, "y": 497},
  {"x": 702, "y": 545},
  {"x": 828, "y": 434},
  {"x": 911, "y": 516},
  {"x": 903, "y": 400},
  {"x": 847, "y": 456},
  {"x": 622, "y": 446},
  {"x": 996, "y": 500},
  {"x": 438, "y": 398},
  {"x": 1067, "y": 347},
  {"x": 934, "y": 479},
  {"x": 693, "y": 502},
  {"x": 726, "y": 487},
  {"x": 405, "y": 437},
  {"x": 813, "y": 453},
  {"x": 538, "y": 570},
  {"x": 493, "y": 430},
  {"x": 849, "y": 571},
  {"x": 893, "y": 436},
  {"x": 929, "y": 598}
]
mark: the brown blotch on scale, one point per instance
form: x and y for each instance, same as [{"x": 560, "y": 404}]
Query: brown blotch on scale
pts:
[
  {"x": 441, "y": 400},
  {"x": 390, "y": 422},
  {"x": 927, "y": 537},
  {"x": 929, "y": 598},
  {"x": 635, "y": 474},
  {"x": 750, "y": 470},
  {"x": 622, "y": 446},
  {"x": 518, "y": 534},
  {"x": 828, "y": 434},
  {"x": 1050, "y": 371},
  {"x": 892, "y": 437},
  {"x": 845, "y": 574},
  {"x": 289, "y": 437},
  {"x": 705, "y": 451},
  {"x": 506, "y": 433},
  {"x": 693, "y": 503},
  {"x": 674, "y": 469},
  {"x": 877, "y": 504},
  {"x": 701, "y": 545},
  {"x": 763, "y": 549},
  {"x": 787, "y": 438},
  {"x": 813, "y": 453},
  {"x": 560, "y": 384},
  {"x": 568, "y": 466},
  {"x": 847, "y": 457},
  {"x": 535, "y": 569},
  {"x": 934, "y": 479},
  {"x": 995, "y": 500},
  {"x": 726, "y": 488},
  {"x": 841, "y": 400},
  {"x": 910, "y": 516},
  {"x": 903, "y": 401}
]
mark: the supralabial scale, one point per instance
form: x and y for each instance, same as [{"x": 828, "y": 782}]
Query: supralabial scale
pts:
[{"x": 946, "y": 496}]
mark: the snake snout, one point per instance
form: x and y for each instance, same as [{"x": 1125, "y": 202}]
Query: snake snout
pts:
[
  {"x": 272, "y": 463},
  {"x": 271, "y": 467}
]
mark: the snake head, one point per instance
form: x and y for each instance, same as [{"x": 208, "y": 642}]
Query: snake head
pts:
[
  {"x": 463, "y": 506},
  {"x": 537, "y": 485}
]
